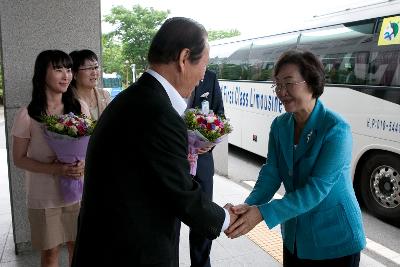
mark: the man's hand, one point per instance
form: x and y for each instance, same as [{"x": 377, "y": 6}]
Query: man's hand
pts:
[
  {"x": 204, "y": 149},
  {"x": 233, "y": 217},
  {"x": 249, "y": 217},
  {"x": 192, "y": 158}
]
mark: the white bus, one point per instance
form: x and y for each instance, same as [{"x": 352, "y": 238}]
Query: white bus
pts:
[
  {"x": 112, "y": 83},
  {"x": 361, "y": 56}
]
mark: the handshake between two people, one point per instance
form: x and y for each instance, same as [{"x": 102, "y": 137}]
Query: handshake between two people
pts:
[{"x": 243, "y": 218}]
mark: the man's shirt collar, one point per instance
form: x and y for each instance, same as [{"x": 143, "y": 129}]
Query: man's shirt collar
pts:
[{"x": 176, "y": 99}]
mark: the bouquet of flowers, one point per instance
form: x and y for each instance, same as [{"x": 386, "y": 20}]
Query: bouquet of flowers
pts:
[
  {"x": 204, "y": 130},
  {"x": 68, "y": 136}
]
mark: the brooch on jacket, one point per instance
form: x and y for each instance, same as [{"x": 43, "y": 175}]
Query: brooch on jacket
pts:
[
  {"x": 309, "y": 136},
  {"x": 205, "y": 95}
]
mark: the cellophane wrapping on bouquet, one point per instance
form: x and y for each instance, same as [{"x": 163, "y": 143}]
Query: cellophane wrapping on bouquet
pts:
[
  {"x": 68, "y": 136},
  {"x": 68, "y": 150},
  {"x": 196, "y": 141},
  {"x": 204, "y": 130}
]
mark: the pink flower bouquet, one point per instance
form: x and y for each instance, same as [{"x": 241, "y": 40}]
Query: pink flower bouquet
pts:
[
  {"x": 68, "y": 135},
  {"x": 204, "y": 130}
]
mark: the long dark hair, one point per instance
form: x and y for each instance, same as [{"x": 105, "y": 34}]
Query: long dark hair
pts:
[
  {"x": 38, "y": 104},
  {"x": 78, "y": 59}
]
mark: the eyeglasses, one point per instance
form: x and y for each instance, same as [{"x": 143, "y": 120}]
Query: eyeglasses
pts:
[
  {"x": 91, "y": 68},
  {"x": 288, "y": 86}
]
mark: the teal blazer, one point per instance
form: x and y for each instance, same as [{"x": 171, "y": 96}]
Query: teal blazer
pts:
[{"x": 319, "y": 210}]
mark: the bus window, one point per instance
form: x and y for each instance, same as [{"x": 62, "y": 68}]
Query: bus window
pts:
[
  {"x": 360, "y": 68},
  {"x": 265, "y": 51},
  {"x": 232, "y": 60},
  {"x": 384, "y": 62},
  {"x": 332, "y": 64},
  {"x": 365, "y": 26},
  {"x": 383, "y": 67},
  {"x": 383, "y": 70},
  {"x": 346, "y": 68},
  {"x": 343, "y": 49}
]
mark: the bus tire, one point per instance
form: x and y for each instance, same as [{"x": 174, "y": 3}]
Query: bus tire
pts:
[{"x": 380, "y": 185}]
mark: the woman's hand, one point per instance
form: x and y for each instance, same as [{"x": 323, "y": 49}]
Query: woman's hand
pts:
[
  {"x": 74, "y": 170},
  {"x": 240, "y": 209},
  {"x": 249, "y": 217}
]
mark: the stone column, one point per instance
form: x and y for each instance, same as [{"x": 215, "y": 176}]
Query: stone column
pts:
[
  {"x": 27, "y": 28},
  {"x": 220, "y": 154}
]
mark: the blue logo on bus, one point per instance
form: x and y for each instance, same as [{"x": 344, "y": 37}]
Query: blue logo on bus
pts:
[{"x": 391, "y": 31}]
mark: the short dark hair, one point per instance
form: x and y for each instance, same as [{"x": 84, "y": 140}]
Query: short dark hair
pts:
[
  {"x": 78, "y": 59},
  {"x": 175, "y": 35},
  {"x": 38, "y": 104},
  {"x": 310, "y": 67}
]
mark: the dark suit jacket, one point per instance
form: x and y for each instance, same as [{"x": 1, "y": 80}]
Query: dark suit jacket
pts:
[
  {"x": 205, "y": 163},
  {"x": 137, "y": 183}
]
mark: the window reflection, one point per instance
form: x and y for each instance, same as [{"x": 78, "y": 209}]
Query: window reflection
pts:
[{"x": 349, "y": 53}]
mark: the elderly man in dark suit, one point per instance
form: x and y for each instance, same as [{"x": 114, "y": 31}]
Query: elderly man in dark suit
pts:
[
  {"x": 137, "y": 181},
  {"x": 208, "y": 90}
]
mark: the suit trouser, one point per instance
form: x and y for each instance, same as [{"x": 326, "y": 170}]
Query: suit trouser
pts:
[{"x": 200, "y": 246}]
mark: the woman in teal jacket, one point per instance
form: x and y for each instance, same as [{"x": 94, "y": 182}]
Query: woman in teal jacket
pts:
[{"x": 309, "y": 151}]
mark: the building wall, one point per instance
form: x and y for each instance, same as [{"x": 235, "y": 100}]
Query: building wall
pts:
[{"x": 27, "y": 28}]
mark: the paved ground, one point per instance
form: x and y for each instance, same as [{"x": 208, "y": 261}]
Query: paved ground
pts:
[{"x": 225, "y": 252}]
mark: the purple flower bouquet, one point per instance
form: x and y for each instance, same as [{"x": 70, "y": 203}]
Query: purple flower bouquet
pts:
[
  {"x": 204, "y": 130},
  {"x": 68, "y": 136},
  {"x": 196, "y": 141}
]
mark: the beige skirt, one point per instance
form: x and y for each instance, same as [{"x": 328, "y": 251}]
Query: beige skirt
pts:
[{"x": 54, "y": 226}]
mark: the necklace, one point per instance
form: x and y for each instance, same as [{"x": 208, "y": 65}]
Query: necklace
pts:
[
  {"x": 97, "y": 106},
  {"x": 92, "y": 102}
]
